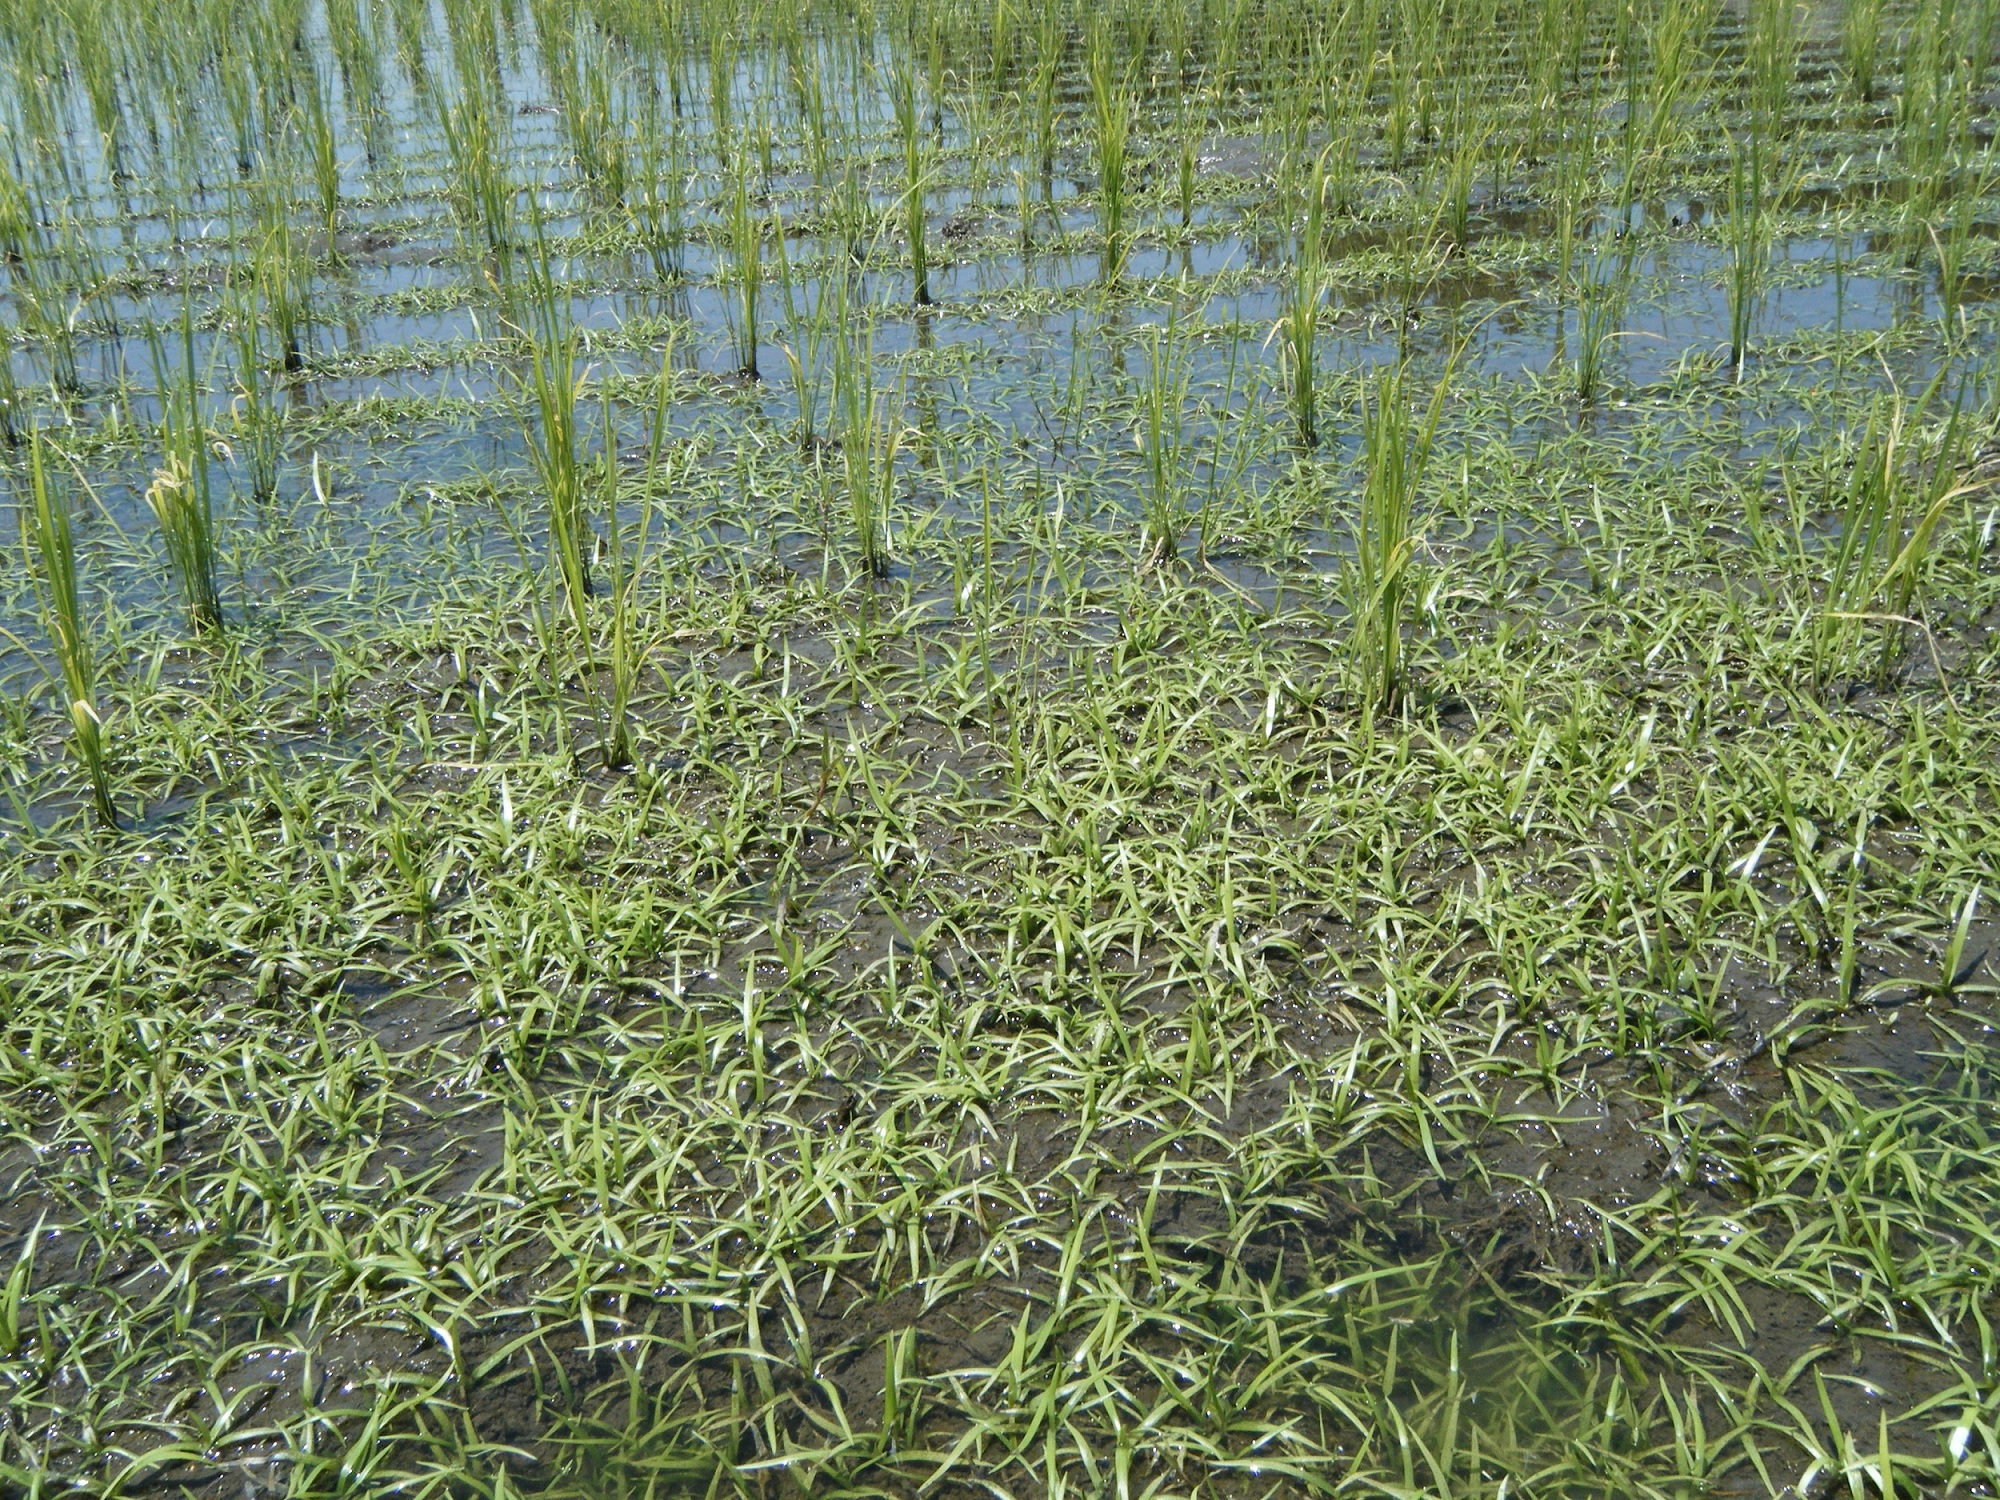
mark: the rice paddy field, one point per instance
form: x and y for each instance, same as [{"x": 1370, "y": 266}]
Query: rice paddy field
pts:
[{"x": 999, "y": 748}]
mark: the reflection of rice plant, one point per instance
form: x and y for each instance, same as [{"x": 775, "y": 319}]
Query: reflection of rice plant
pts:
[{"x": 51, "y": 547}]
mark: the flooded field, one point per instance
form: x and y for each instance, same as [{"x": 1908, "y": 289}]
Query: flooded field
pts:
[{"x": 999, "y": 748}]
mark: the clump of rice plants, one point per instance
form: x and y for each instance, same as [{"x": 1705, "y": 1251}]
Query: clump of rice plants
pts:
[
  {"x": 1861, "y": 46},
  {"x": 585, "y": 78},
  {"x": 255, "y": 416},
  {"x": 482, "y": 196},
  {"x": 315, "y": 129}
]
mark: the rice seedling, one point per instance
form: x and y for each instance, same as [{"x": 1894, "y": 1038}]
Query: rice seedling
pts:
[
  {"x": 746, "y": 272},
  {"x": 481, "y": 195},
  {"x": 180, "y": 495},
  {"x": 1955, "y": 243},
  {"x": 624, "y": 654},
  {"x": 1040, "y": 106},
  {"x": 49, "y": 310},
  {"x": 906, "y": 102},
  {"x": 549, "y": 428},
  {"x": 596, "y": 127},
  {"x": 1397, "y": 443},
  {"x": 1298, "y": 330},
  {"x": 1469, "y": 137},
  {"x": 1861, "y": 46},
  {"x": 1771, "y": 60},
  {"x": 870, "y": 435},
  {"x": 1602, "y": 287},
  {"x": 806, "y": 333},
  {"x": 1678, "y": 77},
  {"x": 1749, "y": 244},
  {"x": 50, "y": 547},
  {"x": 1111, "y": 108},
  {"x": 1161, "y": 437},
  {"x": 281, "y": 274},
  {"x": 257, "y": 422},
  {"x": 12, "y": 411},
  {"x": 1187, "y": 155},
  {"x": 314, "y": 125},
  {"x": 1887, "y": 520},
  {"x": 658, "y": 198}
]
